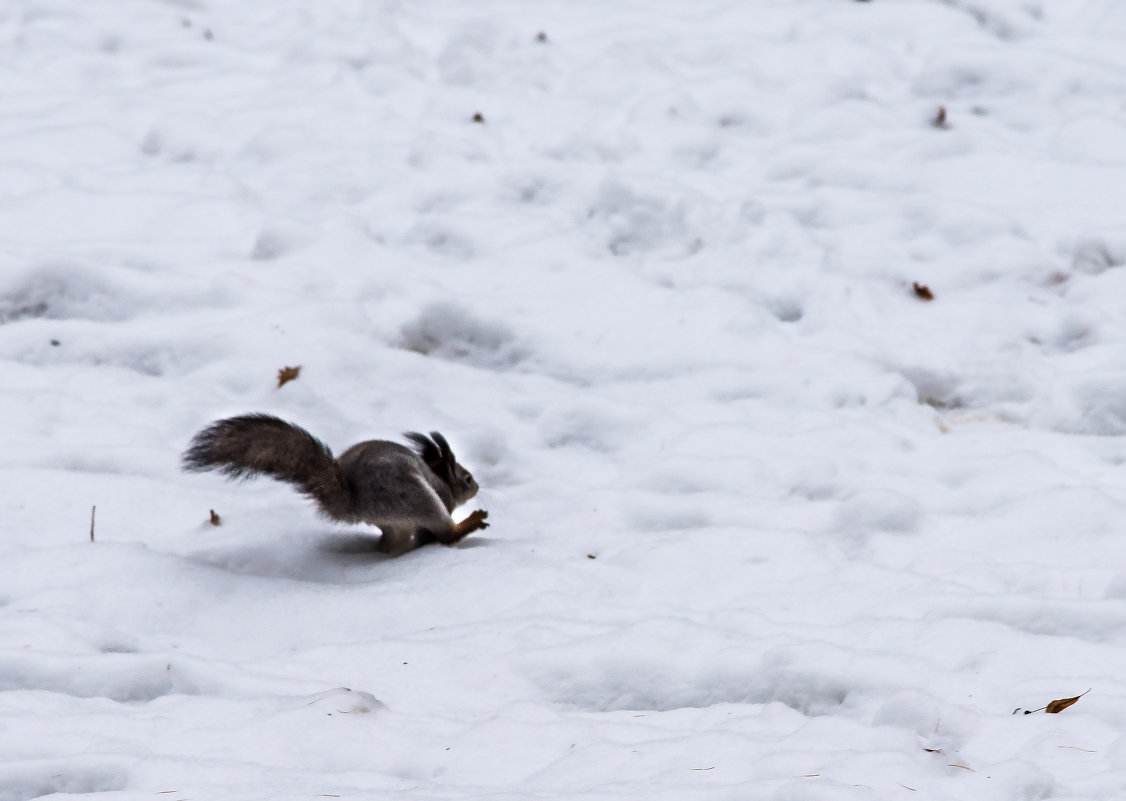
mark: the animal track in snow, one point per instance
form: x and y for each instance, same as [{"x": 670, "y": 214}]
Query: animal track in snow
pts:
[
  {"x": 120, "y": 677},
  {"x": 442, "y": 240},
  {"x": 1093, "y": 257},
  {"x": 631, "y": 685},
  {"x": 62, "y": 292},
  {"x": 631, "y": 224},
  {"x": 23, "y": 781},
  {"x": 451, "y": 332}
]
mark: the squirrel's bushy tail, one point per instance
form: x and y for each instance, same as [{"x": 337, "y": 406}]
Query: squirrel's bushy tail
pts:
[{"x": 261, "y": 444}]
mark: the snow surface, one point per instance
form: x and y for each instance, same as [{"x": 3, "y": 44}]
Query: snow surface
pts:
[{"x": 765, "y": 524}]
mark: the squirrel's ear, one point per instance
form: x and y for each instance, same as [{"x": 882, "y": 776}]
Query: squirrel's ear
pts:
[
  {"x": 443, "y": 447},
  {"x": 426, "y": 449}
]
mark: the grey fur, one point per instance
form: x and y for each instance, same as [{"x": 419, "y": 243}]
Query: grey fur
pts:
[{"x": 408, "y": 494}]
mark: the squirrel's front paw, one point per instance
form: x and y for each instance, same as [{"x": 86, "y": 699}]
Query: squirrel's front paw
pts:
[{"x": 473, "y": 522}]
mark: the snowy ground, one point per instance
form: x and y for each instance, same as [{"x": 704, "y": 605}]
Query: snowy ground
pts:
[{"x": 765, "y": 523}]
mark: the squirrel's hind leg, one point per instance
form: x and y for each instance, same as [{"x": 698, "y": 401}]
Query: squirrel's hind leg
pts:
[{"x": 397, "y": 541}]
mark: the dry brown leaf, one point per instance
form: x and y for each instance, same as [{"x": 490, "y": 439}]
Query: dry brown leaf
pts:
[
  {"x": 287, "y": 374},
  {"x": 215, "y": 519},
  {"x": 939, "y": 120},
  {"x": 922, "y": 292},
  {"x": 1061, "y": 704}
]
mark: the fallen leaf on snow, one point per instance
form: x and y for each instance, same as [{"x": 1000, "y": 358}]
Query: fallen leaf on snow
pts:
[
  {"x": 1061, "y": 704},
  {"x": 922, "y": 291},
  {"x": 287, "y": 374}
]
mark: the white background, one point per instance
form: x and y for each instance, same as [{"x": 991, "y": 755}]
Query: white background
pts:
[{"x": 660, "y": 301}]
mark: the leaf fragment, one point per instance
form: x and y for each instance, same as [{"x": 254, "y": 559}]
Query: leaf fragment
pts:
[
  {"x": 922, "y": 291},
  {"x": 287, "y": 374}
]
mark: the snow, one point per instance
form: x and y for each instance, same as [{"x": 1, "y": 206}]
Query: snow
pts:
[{"x": 765, "y": 524}]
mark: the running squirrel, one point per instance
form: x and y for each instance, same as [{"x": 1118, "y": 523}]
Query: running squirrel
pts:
[{"x": 408, "y": 494}]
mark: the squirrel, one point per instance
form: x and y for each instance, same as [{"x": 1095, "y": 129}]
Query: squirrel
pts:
[{"x": 409, "y": 494}]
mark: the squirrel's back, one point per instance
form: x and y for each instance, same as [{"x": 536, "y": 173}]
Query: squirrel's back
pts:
[{"x": 396, "y": 484}]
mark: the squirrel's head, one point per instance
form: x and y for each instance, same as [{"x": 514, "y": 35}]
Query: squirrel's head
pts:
[{"x": 436, "y": 452}]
